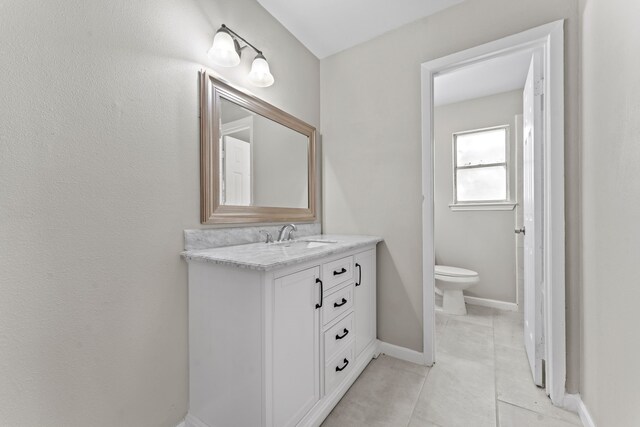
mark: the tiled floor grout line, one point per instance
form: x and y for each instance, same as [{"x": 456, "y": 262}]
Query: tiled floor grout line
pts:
[
  {"x": 517, "y": 401},
  {"x": 415, "y": 404},
  {"x": 533, "y": 411}
]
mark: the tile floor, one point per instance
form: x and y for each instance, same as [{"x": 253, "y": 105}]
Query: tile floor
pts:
[{"x": 481, "y": 378}]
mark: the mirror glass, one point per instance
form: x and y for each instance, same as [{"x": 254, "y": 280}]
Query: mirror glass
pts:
[
  {"x": 262, "y": 162},
  {"x": 257, "y": 162}
]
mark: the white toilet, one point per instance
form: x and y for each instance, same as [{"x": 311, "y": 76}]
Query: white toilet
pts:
[{"x": 451, "y": 281}]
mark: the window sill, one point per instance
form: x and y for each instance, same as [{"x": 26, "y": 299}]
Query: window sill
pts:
[{"x": 496, "y": 206}]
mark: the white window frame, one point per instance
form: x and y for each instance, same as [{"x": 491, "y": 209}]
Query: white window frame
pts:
[{"x": 503, "y": 204}]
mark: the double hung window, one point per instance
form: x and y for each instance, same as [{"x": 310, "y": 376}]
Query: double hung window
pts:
[{"x": 481, "y": 167}]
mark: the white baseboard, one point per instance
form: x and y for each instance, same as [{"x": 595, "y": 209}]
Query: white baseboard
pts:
[
  {"x": 485, "y": 302},
  {"x": 191, "y": 421},
  {"x": 574, "y": 403},
  {"x": 401, "y": 353}
]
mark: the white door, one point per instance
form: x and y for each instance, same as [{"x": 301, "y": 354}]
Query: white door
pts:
[
  {"x": 237, "y": 172},
  {"x": 532, "y": 213},
  {"x": 296, "y": 346},
  {"x": 365, "y": 299}
]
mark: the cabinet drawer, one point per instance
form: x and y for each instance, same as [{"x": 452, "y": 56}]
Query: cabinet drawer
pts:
[
  {"x": 336, "y": 272},
  {"x": 338, "y": 368},
  {"x": 337, "y": 303},
  {"x": 337, "y": 337}
]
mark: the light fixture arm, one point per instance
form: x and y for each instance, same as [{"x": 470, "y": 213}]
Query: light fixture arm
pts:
[{"x": 237, "y": 36}]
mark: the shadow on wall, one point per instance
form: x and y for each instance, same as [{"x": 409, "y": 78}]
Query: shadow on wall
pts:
[{"x": 396, "y": 325}]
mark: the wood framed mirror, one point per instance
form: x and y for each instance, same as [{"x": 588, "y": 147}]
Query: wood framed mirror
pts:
[{"x": 257, "y": 162}]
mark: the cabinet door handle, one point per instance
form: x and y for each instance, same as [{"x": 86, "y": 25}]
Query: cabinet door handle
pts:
[
  {"x": 359, "y": 282},
  {"x": 337, "y": 273},
  {"x": 321, "y": 293},
  {"x": 346, "y": 332},
  {"x": 344, "y": 301},
  {"x": 346, "y": 363}
]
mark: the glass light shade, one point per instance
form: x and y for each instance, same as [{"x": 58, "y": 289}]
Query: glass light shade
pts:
[
  {"x": 260, "y": 75},
  {"x": 223, "y": 52}
]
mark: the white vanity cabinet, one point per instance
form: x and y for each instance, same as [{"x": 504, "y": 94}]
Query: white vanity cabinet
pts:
[
  {"x": 296, "y": 346},
  {"x": 279, "y": 347}
]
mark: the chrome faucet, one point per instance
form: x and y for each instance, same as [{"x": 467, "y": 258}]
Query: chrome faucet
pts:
[
  {"x": 269, "y": 239},
  {"x": 286, "y": 232}
]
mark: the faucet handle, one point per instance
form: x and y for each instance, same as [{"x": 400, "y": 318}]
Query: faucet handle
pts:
[
  {"x": 293, "y": 229},
  {"x": 269, "y": 238}
]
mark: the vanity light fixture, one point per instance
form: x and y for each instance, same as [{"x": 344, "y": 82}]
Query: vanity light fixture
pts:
[{"x": 226, "y": 52}]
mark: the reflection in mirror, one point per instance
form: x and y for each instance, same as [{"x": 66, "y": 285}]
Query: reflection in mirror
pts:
[
  {"x": 263, "y": 163},
  {"x": 257, "y": 162}
]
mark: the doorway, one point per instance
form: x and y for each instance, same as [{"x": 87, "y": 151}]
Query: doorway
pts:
[{"x": 545, "y": 260}]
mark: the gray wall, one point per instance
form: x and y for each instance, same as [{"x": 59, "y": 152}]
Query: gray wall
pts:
[
  {"x": 371, "y": 134},
  {"x": 99, "y": 176},
  {"x": 482, "y": 241},
  {"x": 611, "y": 208},
  {"x": 280, "y": 168}
]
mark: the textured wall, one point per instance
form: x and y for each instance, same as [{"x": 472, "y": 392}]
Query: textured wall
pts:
[
  {"x": 370, "y": 107},
  {"x": 99, "y": 175},
  {"x": 482, "y": 241},
  {"x": 611, "y": 206}
]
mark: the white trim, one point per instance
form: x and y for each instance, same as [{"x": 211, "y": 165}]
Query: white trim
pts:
[
  {"x": 192, "y": 421},
  {"x": 428, "y": 247},
  {"x": 493, "y": 303},
  {"x": 401, "y": 353},
  {"x": 475, "y": 206},
  {"x": 245, "y": 123},
  {"x": 553, "y": 217},
  {"x": 574, "y": 403},
  {"x": 181, "y": 424},
  {"x": 550, "y": 38},
  {"x": 507, "y": 166}
]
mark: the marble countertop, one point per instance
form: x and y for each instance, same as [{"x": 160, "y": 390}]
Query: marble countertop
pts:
[{"x": 264, "y": 257}]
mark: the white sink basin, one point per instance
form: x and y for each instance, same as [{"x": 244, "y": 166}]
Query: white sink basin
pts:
[{"x": 306, "y": 244}]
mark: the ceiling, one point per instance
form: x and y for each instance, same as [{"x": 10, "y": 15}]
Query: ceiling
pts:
[
  {"x": 326, "y": 27},
  {"x": 497, "y": 75}
]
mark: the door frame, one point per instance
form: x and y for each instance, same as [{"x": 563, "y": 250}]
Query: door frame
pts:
[
  {"x": 549, "y": 38},
  {"x": 226, "y": 129}
]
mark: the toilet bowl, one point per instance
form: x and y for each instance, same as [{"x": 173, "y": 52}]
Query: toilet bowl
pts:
[{"x": 451, "y": 281}]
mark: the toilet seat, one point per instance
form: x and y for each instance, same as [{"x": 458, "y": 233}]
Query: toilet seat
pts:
[
  {"x": 458, "y": 275},
  {"x": 445, "y": 270}
]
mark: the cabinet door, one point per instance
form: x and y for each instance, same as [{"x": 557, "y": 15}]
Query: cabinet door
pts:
[
  {"x": 365, "y": 298},
  {"x": 296, "y": 346}
]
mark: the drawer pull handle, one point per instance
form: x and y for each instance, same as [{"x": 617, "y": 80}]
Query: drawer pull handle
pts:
[
  {"x": 321, "y": 293},
  {"x": 346, "y": 332},
  {"x": 335, "y": 304},
  {"x": 346, "y": 363},
  {"x": 359, "y": 274},
  {"x": 337, "y": 273}
]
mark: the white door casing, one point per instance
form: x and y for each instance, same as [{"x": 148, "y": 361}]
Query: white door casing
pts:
[
  {"x": 549, "y": 39},
  {"x": 237, "y": 171},
  {"x": 532, "y": 162}
]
